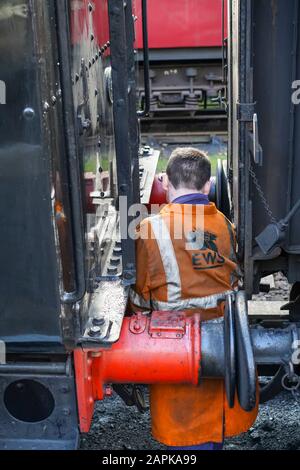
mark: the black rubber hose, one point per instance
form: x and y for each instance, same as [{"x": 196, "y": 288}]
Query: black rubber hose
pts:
[{"x": 272, "y": 388}]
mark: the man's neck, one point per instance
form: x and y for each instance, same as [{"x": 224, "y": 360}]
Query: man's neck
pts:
[{"x": 185, "y": 192}]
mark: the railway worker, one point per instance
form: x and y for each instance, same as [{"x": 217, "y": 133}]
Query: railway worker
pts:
[{"x": 185, "y": 273}]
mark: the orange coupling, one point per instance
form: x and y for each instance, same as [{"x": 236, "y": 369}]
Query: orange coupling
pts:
[{"x": 161, "y": 348}]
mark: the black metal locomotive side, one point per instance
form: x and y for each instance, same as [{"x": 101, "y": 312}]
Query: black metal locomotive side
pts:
[
  {"x": 264, "y": 69},
  {"x": 37, "y": 384},
  {"x": 29, "y": 271},
  {"x": 61, "y": 174}
]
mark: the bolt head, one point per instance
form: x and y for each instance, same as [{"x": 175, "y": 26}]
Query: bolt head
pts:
[
  {"x": 96, "y": 353},
  {"x": 115, "y": 261},
  {"x": 98, "y": 321},
  {"x": 112, "y": 271},
  {"x": 108, "y": 391},
  {"x": 137, "y": 327},
  {"x": 94, "y": 331}
]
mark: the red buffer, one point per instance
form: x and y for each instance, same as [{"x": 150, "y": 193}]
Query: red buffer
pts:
[
  {"x": 158, "y": 194},
  {"x": 161, "y": 348}
]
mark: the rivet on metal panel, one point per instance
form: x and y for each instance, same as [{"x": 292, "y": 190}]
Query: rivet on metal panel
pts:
[
  {"x": 76, "y": 308},
  {"x": 120, "y": 103},
  {"x": 123, "y": 187},
  {"x": 128, "y": 276},
  {"x": 66, "y": 411},
  {"x": 29, "y": 113}
]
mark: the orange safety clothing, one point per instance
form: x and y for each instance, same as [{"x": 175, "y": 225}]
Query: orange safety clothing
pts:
[{"x": 186, "y": 261}]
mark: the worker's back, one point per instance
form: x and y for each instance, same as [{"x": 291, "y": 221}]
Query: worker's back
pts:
[{"x": 185, "y": 258}]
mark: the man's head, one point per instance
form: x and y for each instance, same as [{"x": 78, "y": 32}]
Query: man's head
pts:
[{"x": 188, "y": 172}]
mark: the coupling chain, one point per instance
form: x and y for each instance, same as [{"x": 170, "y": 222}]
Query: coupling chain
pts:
[
  {"x": 261, "y": 194},
  {"x": 291, "y": 381}
]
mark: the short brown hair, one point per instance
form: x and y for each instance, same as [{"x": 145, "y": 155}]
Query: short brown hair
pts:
[{"x": 189, "y": 168}]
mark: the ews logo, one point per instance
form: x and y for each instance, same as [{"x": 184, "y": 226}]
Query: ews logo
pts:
[{"x": 207, "y": 255}]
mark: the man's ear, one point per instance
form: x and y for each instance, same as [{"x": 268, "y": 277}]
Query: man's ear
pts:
[
  {"x": 206, "y": 188},
  {"x": 165, "y": 182}
]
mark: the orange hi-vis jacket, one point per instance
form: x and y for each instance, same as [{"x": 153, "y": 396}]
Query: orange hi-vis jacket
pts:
[{"x": 186, "y": 262}]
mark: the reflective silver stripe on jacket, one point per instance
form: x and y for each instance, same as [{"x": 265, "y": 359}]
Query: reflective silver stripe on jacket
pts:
[
  {"x": 168, "y": 257},
  {"x": 138, "y": 300},
  {"x": 204, "y": 303},
  {"x": 171, "y": 268}
]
